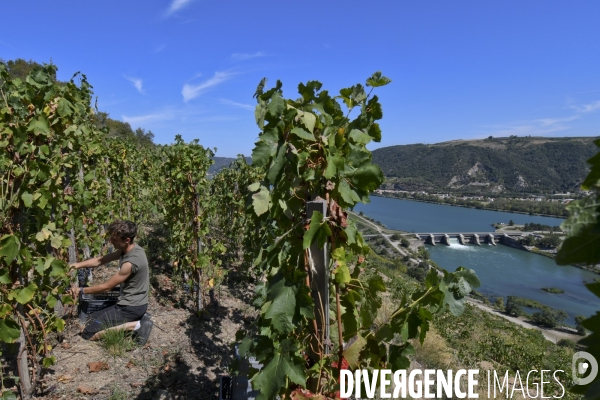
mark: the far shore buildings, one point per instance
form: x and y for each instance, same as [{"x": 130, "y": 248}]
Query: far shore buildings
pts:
[{"x": 477, "y": 198}]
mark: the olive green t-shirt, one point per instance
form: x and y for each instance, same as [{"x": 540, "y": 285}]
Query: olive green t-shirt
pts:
[{"x": 134, "y": 291}]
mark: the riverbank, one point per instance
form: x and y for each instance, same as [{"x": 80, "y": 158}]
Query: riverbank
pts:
[
  {"x": 553, "y": 335},
  {"x": 550, "y": 253},
  {"x": 467, "y": 206}
]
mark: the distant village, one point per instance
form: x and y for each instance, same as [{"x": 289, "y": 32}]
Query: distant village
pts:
[{"x": 556, "y": 198}]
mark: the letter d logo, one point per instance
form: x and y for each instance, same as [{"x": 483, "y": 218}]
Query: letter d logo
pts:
[{"x": 582, "y": 367}]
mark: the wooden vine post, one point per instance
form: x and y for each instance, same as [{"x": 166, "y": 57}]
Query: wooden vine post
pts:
[
  {"x": 318, "y": 265},
  {"x": 198, "y": 242}
]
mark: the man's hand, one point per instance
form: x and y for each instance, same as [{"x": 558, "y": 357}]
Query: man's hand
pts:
[
  {"x": 74, "y": 291},
  {"x": 72, "y": 268}
]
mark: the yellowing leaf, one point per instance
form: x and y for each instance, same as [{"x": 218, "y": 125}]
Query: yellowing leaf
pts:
[
  {"x": 352, "y": 353},
  {"x": 59, "y": 324},
  {"x": 42, "y": 235},
  {"x": 56, "y": 241},
  {"x": 261, "y": 201},
  {"x": 308, "y": 119}
]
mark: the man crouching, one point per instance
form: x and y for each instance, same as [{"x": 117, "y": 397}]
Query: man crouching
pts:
[{"x": 130, "y": 311}]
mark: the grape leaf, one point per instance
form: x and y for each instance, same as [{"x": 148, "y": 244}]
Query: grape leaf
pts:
[
  {"x": 352, "y": 353},
  {"x": 38, "y": 126},
  {"x": 377, "y": 79},
  {"x": 25, "y": 294},
  {"x": 274, "y": 376},
  {"x": 315, "y": 224},
  {"x": 27, "y": 199},
  {"x": 261, "y": 201},
  {"x": 303, "y": 134},
  {"x": 9, "y": 248},
  {"x": 9, "y": 330},
  {"x": 283, "y": 307}
]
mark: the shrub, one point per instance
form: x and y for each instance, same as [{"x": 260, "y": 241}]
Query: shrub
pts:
[
  {"x": 419, "y": 272},
  {"x": 499, "y": 303},
  {"x": 513, "y": 307},
  {"x": 552, "y": 240},
  {"x": 404, "y": 242},
  {"x": 567, "y": 343},
  {"x": 578, "y": 324},
  {"x": 528, "y": 240},
  {"x": 549, "y": 317},
  {"x": 400, "y": 266}
]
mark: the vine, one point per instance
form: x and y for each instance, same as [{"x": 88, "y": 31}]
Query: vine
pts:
[
  {"x": 187, "y": 213},
  {"x": 50, "y": 198},
  {"x": 230, "y": 222},
  {"x": 312, "y": 149},
  {"x": 582, "y": 246}
]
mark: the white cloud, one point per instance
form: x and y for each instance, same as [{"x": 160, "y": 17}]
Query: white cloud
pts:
[
  {"x": 136, "y": 82},
  {"x": 550, "y": 122},
  {"x": 6, "y": 44},
  {"x": 198, "y": 75},
  {"x": 236, "y": 104},
  {"x": 190, "y": 92},
  {"x": 245, "y": 56},
  {"x": 586, "y": 108},
  {"x": 176, "y": 5},
  {"x": 144, "y": 119},
  {"x": 160, "y": 48},
  {"x": 543, "y": 126},
  {"x": 532, "y": 128}
]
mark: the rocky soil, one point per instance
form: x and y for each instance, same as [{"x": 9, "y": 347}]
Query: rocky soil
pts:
[{"x": 183, "y": 359}]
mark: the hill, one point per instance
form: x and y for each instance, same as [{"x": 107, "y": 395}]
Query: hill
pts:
[
  {"x": 492, "y": 165},
  {"x": 223, "y": 162}
]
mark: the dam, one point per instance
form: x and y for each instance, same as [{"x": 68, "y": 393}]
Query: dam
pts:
[{"x": 475, "y": 238}]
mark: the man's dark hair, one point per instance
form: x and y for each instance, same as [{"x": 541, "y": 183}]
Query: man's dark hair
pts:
[{"x": 123, "y": 229}]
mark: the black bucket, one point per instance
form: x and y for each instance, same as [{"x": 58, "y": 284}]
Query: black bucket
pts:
[{"x": 90, "y": 303}]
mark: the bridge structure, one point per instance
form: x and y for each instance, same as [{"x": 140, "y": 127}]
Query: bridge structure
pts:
[{"x": 468, "y": 237}]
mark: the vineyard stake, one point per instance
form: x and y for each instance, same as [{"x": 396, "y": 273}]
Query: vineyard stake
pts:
[{"x": 319, "y": 284}]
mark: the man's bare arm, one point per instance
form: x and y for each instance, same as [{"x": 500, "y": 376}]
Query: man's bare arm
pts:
[
  {"x": 98, "y": 261},
  {"x": 115, "y": 280}
]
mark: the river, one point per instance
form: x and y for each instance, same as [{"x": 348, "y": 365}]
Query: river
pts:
[{"x": 503, "y": 271}]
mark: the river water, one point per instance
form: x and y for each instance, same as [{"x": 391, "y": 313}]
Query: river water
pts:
[{"x": 503, "y": 271}]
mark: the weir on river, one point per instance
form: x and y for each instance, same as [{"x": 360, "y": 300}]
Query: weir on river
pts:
[{"x": 470, "y": 237}]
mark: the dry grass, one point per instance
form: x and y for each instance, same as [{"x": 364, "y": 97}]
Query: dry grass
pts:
[{"x": 435, "y": 353}]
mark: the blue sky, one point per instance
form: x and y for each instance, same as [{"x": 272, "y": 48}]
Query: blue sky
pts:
[{"x": 460, "y": 69}]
